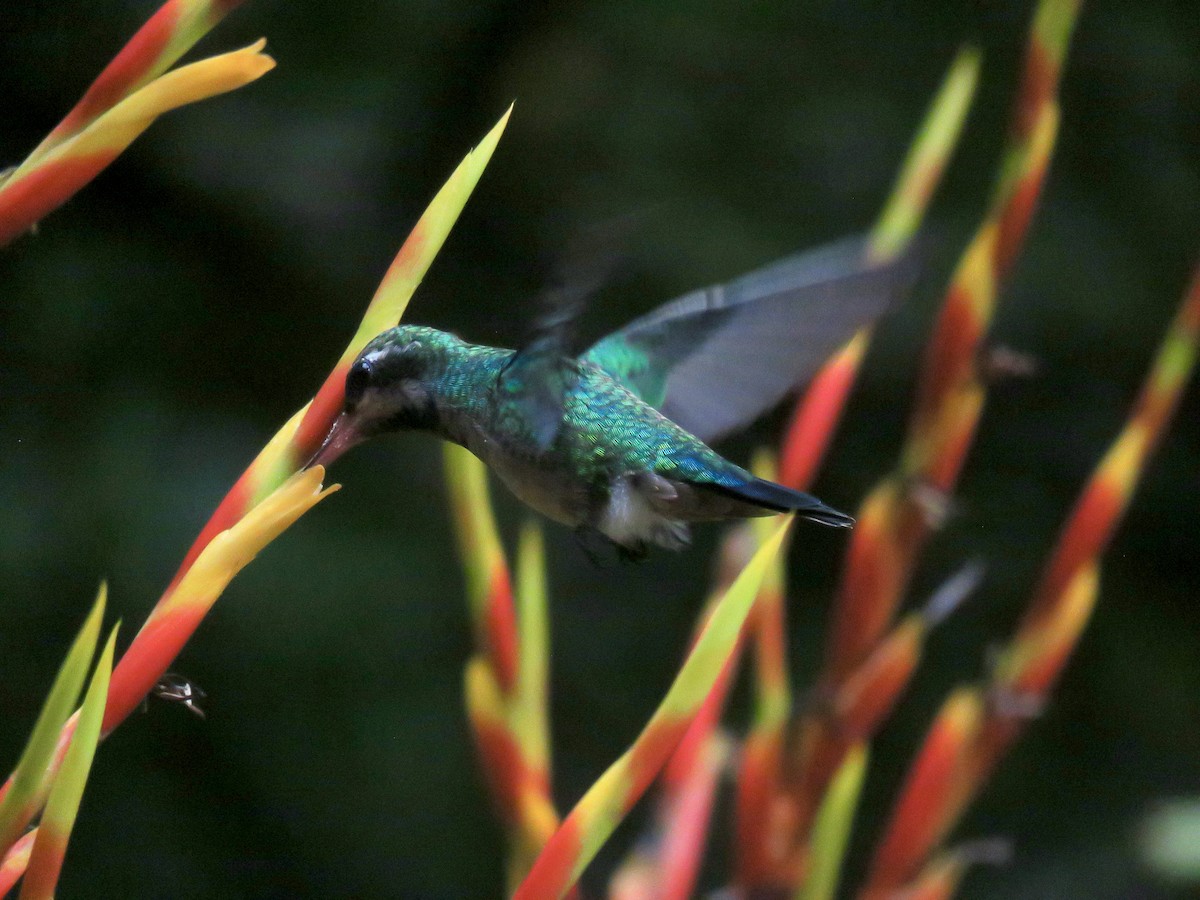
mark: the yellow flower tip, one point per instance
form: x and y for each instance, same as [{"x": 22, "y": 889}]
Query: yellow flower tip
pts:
[
  {"x": 315, "y": 481},
  {"x": 246, "y": 64},
  {"x": 254, "y": 54},
  {"x": 231, "y": 550},
  {"x": 188, "y": 84}
]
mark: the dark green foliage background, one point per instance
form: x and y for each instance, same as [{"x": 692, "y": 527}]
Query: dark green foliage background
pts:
[{"x": 159, "y": 328}]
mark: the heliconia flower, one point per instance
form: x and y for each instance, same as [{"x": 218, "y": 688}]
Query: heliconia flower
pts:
[
  {"x": 895, "y": 521},
  {"x": 54, "y": 830},
  {"x": 680, "y": 826},
  {"x": 24, "y": 793},
  {"x": 855, "y": 712},
  {"x": 1066, "y": 594},
  {"x": 489, "y": 584},
  {"x": 861, "y": 703},
  {"x": 301, "y": 436},
  {"x": 48, "y": 179},
  {"x": 852, "y": 715},
  {"x": 666, "y": 862},
  {"x": 172, "y": 621},
  {"x": 589, "y": 825},
  {"x": 767, "y": 815},
  {"x": 817, "y": 414},
  {"x": 898, "y": 515},
  {"x": 831, "y": 831},
  {"x": 15, "y": 861},
  {"x": 972, "y": 732},
  {"x": 173, "y": 29},
  {"x": 1102, "y": 505},
  {"x": 296, "y": 442},
  {"x": 400, "y": 282},
  {"x": 506, "y": 680},
  {"x": 178, "y": 614},
  {"x": 918, "y": 817}
]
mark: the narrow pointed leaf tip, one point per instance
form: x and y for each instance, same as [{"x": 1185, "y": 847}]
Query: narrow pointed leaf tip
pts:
[
  {"x": 927, "y": 157},
  {"x": 116, "y": 128},
  {"x": 26, "y": 783},
  {"x": 831, "y": 831},
  {"x": 424, "y": 242},
  {"x": 49, "y": 850},
  {"x": 302, "y": 436}
]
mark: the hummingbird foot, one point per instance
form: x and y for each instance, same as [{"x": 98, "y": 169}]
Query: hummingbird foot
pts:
[
  {"x": 633, "y": 553},
  {"x": 597, "y": 547}
]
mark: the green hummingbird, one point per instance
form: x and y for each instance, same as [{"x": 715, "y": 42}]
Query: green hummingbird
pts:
[{"x": 615, "y": 440}]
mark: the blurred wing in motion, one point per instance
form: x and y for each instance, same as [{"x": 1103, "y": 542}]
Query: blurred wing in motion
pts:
[
  {"x": 537, "y": 379},
  {"x": 717, "y": 358}
]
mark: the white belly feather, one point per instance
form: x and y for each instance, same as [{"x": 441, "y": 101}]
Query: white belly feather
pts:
[{"x": 630, "y": 517}]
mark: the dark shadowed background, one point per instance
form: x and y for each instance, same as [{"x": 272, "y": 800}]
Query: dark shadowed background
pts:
[{"x": 158, "y": 329}]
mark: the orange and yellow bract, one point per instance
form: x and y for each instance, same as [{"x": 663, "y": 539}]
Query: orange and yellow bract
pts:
[
  {"x": 505, "y": 680},
  {"x": 794, "y": 807},
  {"x": 595, "y": 816},
  {"x": 272, "y": 493},
  {"x": 121, "y": 103}
]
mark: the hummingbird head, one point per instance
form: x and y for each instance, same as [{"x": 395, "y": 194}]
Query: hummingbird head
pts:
[{"x": 390, "y": 386}]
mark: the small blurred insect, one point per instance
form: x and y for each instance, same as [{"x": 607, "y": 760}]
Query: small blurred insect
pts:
[{"x": 178, "y": 689}]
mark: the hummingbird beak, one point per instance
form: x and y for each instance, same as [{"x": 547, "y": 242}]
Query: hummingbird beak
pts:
[{"x": 342, "y": 436}]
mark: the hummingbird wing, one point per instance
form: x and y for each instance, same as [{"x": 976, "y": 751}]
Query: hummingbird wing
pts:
[
  {"x": 536, "y": 380},
  {"x": 715, "y": 359}
]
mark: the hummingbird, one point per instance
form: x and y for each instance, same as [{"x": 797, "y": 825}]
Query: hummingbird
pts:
[{"x": 615, "y": 441}]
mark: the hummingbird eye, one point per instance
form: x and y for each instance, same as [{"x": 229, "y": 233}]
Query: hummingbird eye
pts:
[{"x": 356, "y": 381}]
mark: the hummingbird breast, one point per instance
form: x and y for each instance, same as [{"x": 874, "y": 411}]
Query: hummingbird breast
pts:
[
  {"x": 550, "y": 488},
  {"x": 631, "y": 507},
  {"x": 616, "y": 465}
]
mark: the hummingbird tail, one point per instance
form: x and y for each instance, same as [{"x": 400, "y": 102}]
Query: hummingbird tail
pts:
[{"x": 770, "y": 495}]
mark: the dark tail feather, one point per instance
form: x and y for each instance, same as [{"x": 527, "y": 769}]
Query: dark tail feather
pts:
[{"x": 770, "y": 495}]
